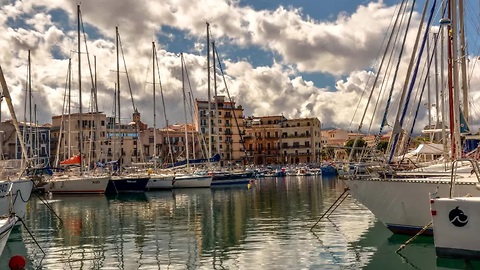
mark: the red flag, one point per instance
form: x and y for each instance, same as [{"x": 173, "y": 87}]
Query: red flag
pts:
[{"x": 73, "y": 160}]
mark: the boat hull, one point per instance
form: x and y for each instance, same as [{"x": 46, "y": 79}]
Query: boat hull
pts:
[
  {"x": 78, "y": 185},
  {"x": 160, "y": 182},
  {"x": 192, "y": 181},
  {"x": 455, "y": 223},
  {"x": 402, "y": 204},
  {"x": 232, "y": 179},
  {"x": 21, "y": 192},
  {"x": 126, "y": 184},
  {"x": 6, "y": 226}
]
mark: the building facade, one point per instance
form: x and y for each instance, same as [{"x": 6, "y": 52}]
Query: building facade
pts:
[
  {"x": 36, "y": 139},
  {"x": 65, "y": 136},
  {"x": 226, "y": 127},
  {"x": 277, "y": 140}
]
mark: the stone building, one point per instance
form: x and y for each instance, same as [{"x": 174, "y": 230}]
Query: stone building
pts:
[
  {"x": 226, "y": 123},
  {"x": 277, "y": 140}
]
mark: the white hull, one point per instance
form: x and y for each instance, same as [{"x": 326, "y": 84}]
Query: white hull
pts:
[
  {"x": 21, "y": 192},
  {"x": 6, "y": 226},
  {"x": 402, "y": 204},
  {"x": 192, "y": 181},
  {"x": 78, "y": 184},
  {"x": 160, "y": 182},
  {"x": 455, "y": 224}
]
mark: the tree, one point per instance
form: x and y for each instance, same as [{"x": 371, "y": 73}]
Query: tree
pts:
[
  {"x": 360, "y": 143},
  {"x": 382, "y": 146}
]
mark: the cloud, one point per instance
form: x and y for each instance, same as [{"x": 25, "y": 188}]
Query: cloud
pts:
[{"x": 344, "y": 48}]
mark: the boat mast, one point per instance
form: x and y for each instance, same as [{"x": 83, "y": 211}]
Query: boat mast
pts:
[
  {"x": 80, "y": 139},
  {"x": 118, "y": 90},
  {"x": 185, "y": 110},
  {"x": 154, "y": 110},
  {"x": 30, "y": 131},
  {"x": 217, "y": 130},
  {"x": 208, "y": 94},
  {"x": 8, "y": 99},
  {"x": 463, "y": 59}
]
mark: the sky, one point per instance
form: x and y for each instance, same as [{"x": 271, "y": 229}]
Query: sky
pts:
[{"x": 297, "y": 58}]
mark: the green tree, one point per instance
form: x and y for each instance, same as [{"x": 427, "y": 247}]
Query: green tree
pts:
[
  {"x": 360, "y": 143},
  {"x": 382, "y": 146}
]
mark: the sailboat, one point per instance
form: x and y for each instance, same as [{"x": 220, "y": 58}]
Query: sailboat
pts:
[
  {"x": 157, "y": 180},
  {"x": 14, "y": 193},
  {"x": 402, "y": 203},
  {"x": 188, "y": 179},
  {"x": 454, "y": 221},
  {"x": 122, "y": 182},
  {"x": 77, "y": 182}
]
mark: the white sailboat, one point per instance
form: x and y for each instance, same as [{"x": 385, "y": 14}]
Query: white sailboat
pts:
[
  {"x": 455, "y": 221},
  {"x": 401, "y": 203},
  {"x": 157, "y": 181},
  {"x": 14, "y": 192},
  {"x": 77, "y": 182}
]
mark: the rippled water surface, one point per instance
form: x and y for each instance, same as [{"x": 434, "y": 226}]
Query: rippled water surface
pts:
[{"x": 266, "y": 226}]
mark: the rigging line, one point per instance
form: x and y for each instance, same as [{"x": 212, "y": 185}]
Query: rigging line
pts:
[
  {"x": 428, "y": 67},
  {"x": 387, "y": 74},
  {"x": 94, "y": 90},
  {"x": 421, "y": 94},
  {"x": 57, "y": 154},
  {"x": 126, "y": 72},
  {"x": 412, "y": 82},
  {"x": 407, "y": 27},
  {"x": 418, "y": 95},
  {"x": 233, "y": 109},
  {"x": 204, "y": 142},
  {"x": 387, "y": 46},
  {"x": 399, "y": 59},
  {"x": 385, "y": 81},
  {"x": 164, "y": 110},
  {"x": 202, "y": 137}
]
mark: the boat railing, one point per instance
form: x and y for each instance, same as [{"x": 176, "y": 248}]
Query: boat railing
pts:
[{"x": 453, "y": 176}]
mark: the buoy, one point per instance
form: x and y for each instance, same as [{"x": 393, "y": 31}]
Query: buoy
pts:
[{"x": 17, "y": 262}]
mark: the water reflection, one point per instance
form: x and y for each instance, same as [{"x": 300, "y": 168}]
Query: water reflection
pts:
[{"x": 266, "y": 226}]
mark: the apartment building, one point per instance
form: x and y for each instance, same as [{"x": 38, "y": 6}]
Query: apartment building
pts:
[
  {"x": 168, "y": 144},
  {"x": 277, "y": 140},
  {"x": 65, "y": 136},
  {"x": 226, "y": 126},
  {"x": 263, "y": 139},
  {"x": 35, "y": 137}
]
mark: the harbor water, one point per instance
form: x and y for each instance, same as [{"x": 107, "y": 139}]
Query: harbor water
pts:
[{"x": 262, "y": 226}]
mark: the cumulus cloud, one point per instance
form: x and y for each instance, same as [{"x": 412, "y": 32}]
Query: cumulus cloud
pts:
[{"x": 344, "y": 47}]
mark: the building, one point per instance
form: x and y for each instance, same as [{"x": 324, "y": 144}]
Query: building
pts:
[
  {"x": 35, "y": 137},
  {"x": 170, "y": 145},
  {"x": 65, "y": 133},
  {"x": 226, "y": 124},
  {"x": 300, "y": 140},
  {"x": 263, "y": 139},
  {"x": 277, "y": 140}
]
